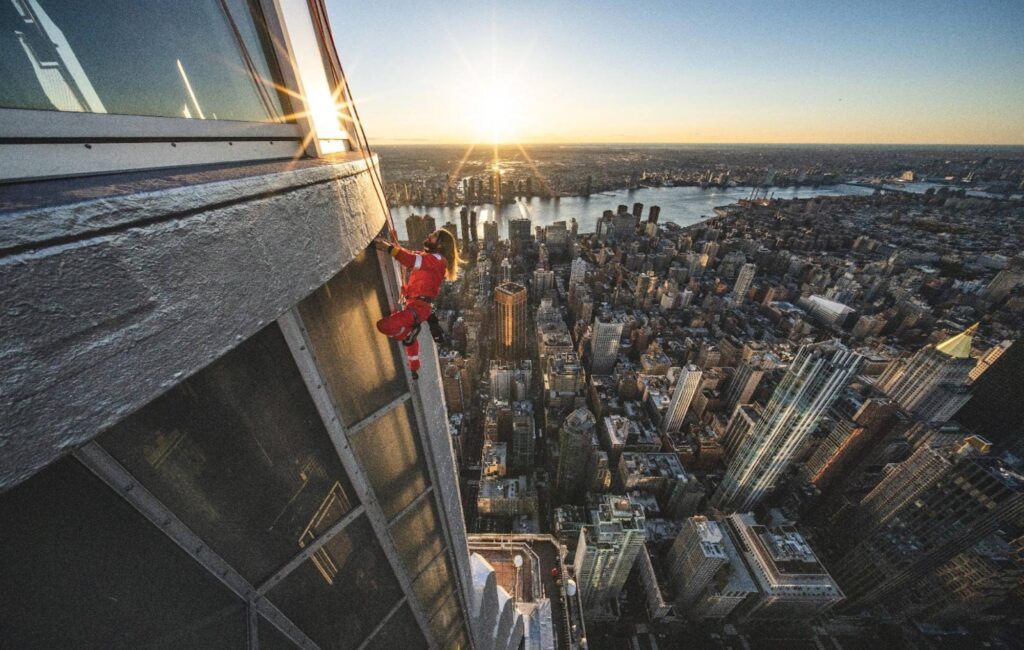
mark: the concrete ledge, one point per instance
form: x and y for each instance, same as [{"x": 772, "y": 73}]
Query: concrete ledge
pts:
[{"x": 110, "y": 302}]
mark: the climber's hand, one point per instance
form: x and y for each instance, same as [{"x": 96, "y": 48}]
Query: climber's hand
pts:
[{"x": 381, "y": 245}]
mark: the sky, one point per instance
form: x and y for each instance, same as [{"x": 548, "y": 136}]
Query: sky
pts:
[{"x": 793, "y": 71}]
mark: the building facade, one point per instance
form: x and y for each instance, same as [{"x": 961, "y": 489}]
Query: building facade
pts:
[
  {"x": 812, "y": 383},
  {"x": 510, "y": 321},
  {"x": 203, "y": 429}
]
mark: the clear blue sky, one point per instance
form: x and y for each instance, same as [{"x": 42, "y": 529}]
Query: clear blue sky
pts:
[{"x": 604, "y": 71}]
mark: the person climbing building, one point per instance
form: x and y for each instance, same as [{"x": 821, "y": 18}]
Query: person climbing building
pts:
[{"x": 429, "y": 267}]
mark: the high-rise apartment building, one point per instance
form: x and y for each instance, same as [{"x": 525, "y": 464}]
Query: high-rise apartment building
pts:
[
  {"x": 944, "y": 499},
  {"x": 575, "y": 443},
  {"x": 848, "y": 437},
  {"x": 203, "y": 430},
  {"x": 697, "y": 554},
  {"x": 811, "y": 384},
  {"x": 520, "y": 233},
  {"x": 792, "y": 583},
  {"x": 510, "y": 382},
  {"x": 743, "y": 281},
  {"x": 417, "y": 228},
  {"x": 605, "y": 337},
  {"x": 744, "y": 418},
  {"x": 972, "y": 583},
  {"x": 524, "y": 436},
  {"x": 510, "y": 321},
  {"x": 746, "y": 379},
  {"x": 932, "y": 383},
  {"x": 490, "y": 233},
  {"x": 996, "y": 407},
  {"x": 607, "y": 549},
  {"x": 687, "y": 383}
]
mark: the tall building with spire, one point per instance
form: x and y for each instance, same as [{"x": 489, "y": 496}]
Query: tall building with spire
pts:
[
  {"x": 932, "y": 383},
  {"x": 203, "y": 429},
  {"x": 813, "y": 381},
  {"x": 510, "y": 321}
]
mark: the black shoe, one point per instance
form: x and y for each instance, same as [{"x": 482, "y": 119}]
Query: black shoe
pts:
[{"x": 415, "y": 375}]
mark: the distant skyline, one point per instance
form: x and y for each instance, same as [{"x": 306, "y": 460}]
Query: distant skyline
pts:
[{"x": 685, "y": 72}]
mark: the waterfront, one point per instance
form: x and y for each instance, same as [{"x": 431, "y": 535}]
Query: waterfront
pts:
[{"x": 682, "y": 205}]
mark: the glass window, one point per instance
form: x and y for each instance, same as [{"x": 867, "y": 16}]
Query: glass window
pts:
[
  {"x": 362, "y": 367},
  {"x": 431, "y": 586},
  {"x": 271, "y": 638},
  {"x": 418, "y": 536},
  {"x": 211, "y": 61},
  {"x": 401, "y": 631},
  {"x": 81, "y": 568},
  {"x": 390, "y": 454},
  {"x": 240, "y": 454},
  {"x": 447, "y": 618},
  {"x": 343, "y": 592}
]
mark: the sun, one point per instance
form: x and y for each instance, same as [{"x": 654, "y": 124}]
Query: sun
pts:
[{"x": 495, "y": 115}]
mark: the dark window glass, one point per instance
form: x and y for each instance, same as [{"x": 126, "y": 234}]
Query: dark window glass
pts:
[
  {"x": 240, "y": 454},
  {"x": 390, "y": 454},
  {"x": 362, "y": 367},
  {"x": 271, "y": 638},
  {"x": 80, "y": 568},
  {"x": 401, "y": 631},
  {"x": 418, "y": 536},
  {"x": 460, "y": 641},
  {"x": 445, "y": 620},
  {"x": 211, "y": 61},
  {"x": 433, "y": 584},
  {"x": 343, "y": 592}
]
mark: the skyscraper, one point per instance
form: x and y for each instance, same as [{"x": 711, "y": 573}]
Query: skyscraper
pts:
[
  {"x": 847, "y": 439},
  {"x": 417, "y": 228},
  {"x": 743, "y": 282},
  {"x": 510, "y": 321},
  {"x": 695, "y": 557},
  {"x": 746, "y": 379},
  {"x": 575, "y": 442},
  {"x": 996, "y": 407},
  {"x": 210, "y": 436},
  {"x": 607, "y": 549},
  {"x": 519, "y": 234},
  {"x": 490, "y": 233},
  {"x": 687, "y": 382},
  {"x": 605, "y": 337},
  {"x": 941, "y": 501},
  {"x": 792, "y": 583},
  {"x": 932, "y": 384},
  {"x": 812, "y": 383}
]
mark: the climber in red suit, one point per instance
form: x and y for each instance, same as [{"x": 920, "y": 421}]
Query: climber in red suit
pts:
[{"x": 429, "y": 267}]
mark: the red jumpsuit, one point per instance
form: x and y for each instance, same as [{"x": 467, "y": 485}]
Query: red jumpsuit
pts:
[{"x": 428, "y": 272}]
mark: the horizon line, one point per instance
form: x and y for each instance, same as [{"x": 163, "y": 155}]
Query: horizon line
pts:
[{"x": 416, "y": 143}]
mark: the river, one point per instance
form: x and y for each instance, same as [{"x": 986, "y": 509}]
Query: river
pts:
[{"x": 682, "y": 205}]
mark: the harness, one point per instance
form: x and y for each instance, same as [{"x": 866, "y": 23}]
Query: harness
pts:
[{"x": 416, "y": 322}]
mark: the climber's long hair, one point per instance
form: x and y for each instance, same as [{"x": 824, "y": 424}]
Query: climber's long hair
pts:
[{"x": 449, "y": 250}]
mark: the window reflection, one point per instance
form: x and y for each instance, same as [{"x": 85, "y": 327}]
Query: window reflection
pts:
[
  {"x": 340, "y": 595},
  {"x": 362, "y": 368},
  {"x": 239, "y": 453},
  {"x": 80, "y": 568},
  {"x": 389, "y": 451},
  {"x": 401, "y": 631},
  {"x": 209, "y": 60}
]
